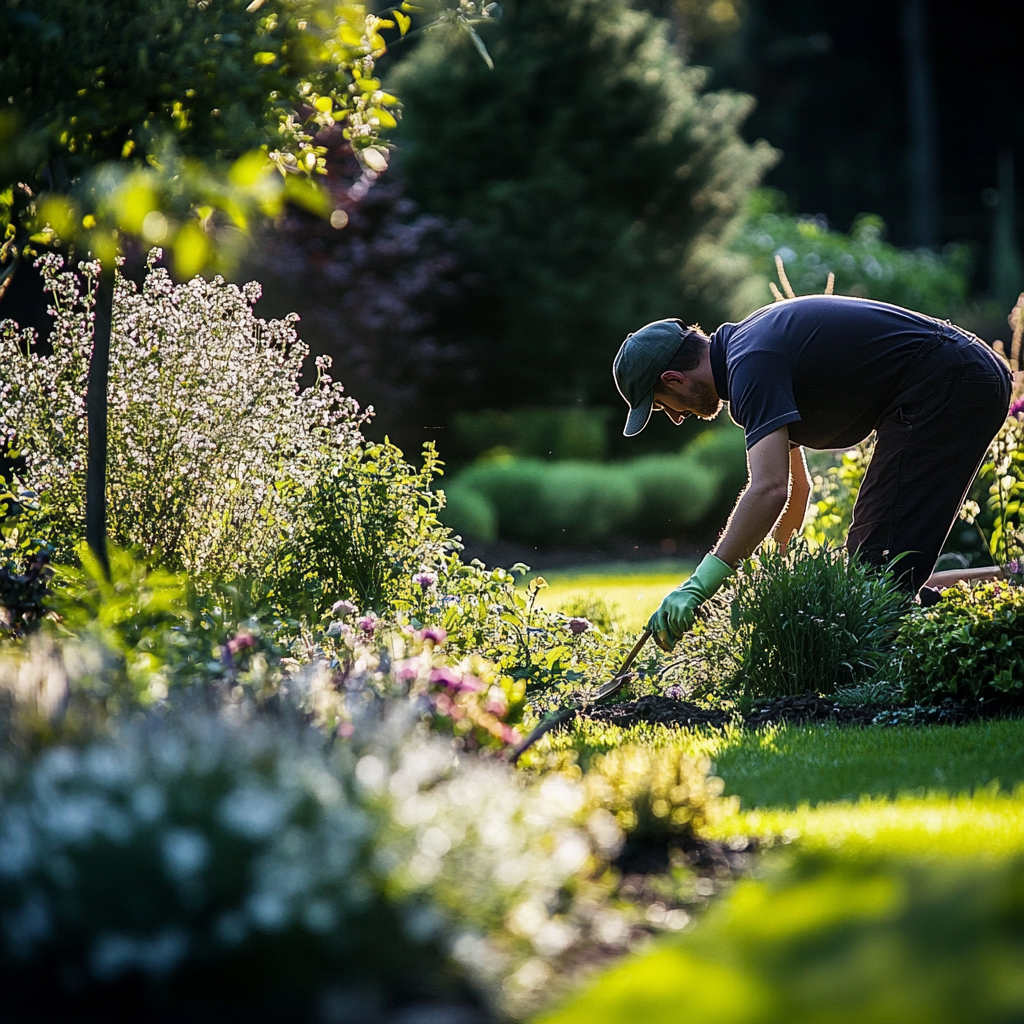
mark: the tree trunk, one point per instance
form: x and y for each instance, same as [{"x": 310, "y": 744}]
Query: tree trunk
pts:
[
  {"x": 96, "y": 412},
  {"x": 922, "y": 151}
]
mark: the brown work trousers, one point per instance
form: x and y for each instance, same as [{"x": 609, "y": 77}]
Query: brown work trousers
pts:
[{"x": 930, "y": 443}]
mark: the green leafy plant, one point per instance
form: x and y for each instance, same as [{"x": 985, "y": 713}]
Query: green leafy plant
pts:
[
  {"x": 143, "y": 634},
  {"x": 969, "y": 645},
  {"x": 810, "y": 621},
  {"x": 1003, "y": 471},
  {"x": 861, "y": 263},
  {"x": 368, "y": 523},
  {"x": 833, "y": 495}
]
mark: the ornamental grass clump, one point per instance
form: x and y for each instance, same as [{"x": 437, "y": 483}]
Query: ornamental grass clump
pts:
[
  {"x": 812, "y": 620},
  {"x": 209, "y": 428}
]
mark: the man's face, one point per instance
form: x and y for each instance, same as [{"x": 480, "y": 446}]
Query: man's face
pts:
[{"x": 679, "y": 397}]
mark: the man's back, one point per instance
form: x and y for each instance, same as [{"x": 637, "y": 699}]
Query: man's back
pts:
[{"x": 826, "y": 366}]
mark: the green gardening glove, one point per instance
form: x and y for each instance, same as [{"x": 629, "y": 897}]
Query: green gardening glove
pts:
[{"x": 677, "y": 610}]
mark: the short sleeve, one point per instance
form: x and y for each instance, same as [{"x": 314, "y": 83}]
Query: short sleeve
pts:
[{"x": 761, "y": 394}]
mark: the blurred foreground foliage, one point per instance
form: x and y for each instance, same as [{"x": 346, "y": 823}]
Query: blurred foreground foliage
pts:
[
  {"x": 834, "y": 937},
  {"x": 207, "y": 807}
]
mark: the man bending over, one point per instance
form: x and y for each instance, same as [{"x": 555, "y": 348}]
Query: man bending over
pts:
[{"x": 823, "y": 371}]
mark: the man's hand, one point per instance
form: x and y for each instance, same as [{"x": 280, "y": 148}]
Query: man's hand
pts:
[{"x": 677, "y": 610}]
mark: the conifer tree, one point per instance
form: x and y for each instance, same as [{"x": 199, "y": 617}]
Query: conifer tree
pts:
[{"x": 601, "y": 181}]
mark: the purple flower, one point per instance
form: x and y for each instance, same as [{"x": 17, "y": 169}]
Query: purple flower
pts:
[
  {"x": 444, "y": 676},
  {"x": 368, "y": 624},
  {"x": 1017, "y": 409},
  {"x": 435, "y": 635},
  {"x": 1014, "y": 566},
  {"x": 579, "y": 625},
  {"x": 343, "y": 608},
  {"x": 425, "y": 579}
]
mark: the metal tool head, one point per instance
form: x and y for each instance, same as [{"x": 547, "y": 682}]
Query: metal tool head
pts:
[{"x": 619, "y": 680}]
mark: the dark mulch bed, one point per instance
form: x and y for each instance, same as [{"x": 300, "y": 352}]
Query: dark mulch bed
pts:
[{"x": 663, "y": 710}]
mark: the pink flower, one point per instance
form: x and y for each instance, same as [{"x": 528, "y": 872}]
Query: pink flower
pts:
[
  {"x": 1017, "y": 409},
  {"x": 508, "y": 734},
  {"x": 578, "y": 625},
  {"x": 406, "y": 670},
  {"x": 459, "y": 684},
  {"x": 240, "y": 643},
  {"x": 435, "y": 635},
  {"x": 343, "y": 607},
  {"x": 368, "y": 624},
  {"x": 1014, "y": 565},
  {"x": 425, "y": 579}
]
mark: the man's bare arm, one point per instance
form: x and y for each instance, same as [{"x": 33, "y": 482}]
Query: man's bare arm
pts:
[
  {"x": 799, "y": 495},
  {"x": 762, "y": 502}
]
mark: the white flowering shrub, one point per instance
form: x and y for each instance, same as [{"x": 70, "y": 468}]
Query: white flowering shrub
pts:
[
  {"x": 208, "y": 423},
  {"x": 248, "y": 860}
]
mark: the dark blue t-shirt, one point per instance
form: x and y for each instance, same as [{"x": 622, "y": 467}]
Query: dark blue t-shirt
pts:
[{"x": 828, "y": 366}]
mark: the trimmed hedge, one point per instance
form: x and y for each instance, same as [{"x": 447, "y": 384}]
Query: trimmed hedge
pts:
[{"x": 574, "y": 503}]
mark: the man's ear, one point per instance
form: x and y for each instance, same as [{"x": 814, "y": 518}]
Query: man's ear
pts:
[{"x": 673, "y": 377}]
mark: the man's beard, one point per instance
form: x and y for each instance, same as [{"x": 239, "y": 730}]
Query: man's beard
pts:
[{"x": 703, "y": 400}]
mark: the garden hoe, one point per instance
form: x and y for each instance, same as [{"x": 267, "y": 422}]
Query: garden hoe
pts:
[{"x": 603, "y": 692}]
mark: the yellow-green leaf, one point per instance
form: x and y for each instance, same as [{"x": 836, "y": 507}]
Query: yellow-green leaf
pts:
[
  {"x": 404, "y": 21},
  {"x": 264, "y": 57}
]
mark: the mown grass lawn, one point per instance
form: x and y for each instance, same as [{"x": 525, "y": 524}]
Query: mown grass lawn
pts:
[
  {"x": 631, "y": 591},
  {"x": 889, "y": 889}
]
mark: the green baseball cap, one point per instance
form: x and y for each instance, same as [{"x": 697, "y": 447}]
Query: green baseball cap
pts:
[{"x": 638, "y": 367}]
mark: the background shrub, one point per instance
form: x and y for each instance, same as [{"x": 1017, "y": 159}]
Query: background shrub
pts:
[
  {"x": 575, "y": 503},
  {"x": 863, "y": 262},
  {"x": 676, "y": 492},
  {"x": 969, "y": 645},
  {"x": 599, "y": 181},
  {"x": 574, "y": 432},
  {"x": 571, "y": 503},
  {"x": 469, "y": 514}
]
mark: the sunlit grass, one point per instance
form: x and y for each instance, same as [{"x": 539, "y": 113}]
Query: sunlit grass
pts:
[
  {"x": 987, "y": 822},
  {"x": 632, "y": 593},
  {"x": 788, "y": 765},
  {"x": 932, "y": 789}
]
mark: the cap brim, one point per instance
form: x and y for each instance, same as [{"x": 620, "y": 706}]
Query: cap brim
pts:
[{"x": 639, "y": 416}]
